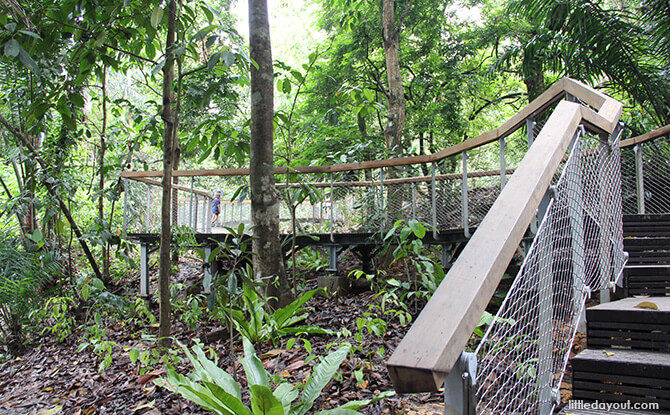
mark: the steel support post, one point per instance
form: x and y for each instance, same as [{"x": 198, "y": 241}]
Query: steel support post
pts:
[
  {"x": 530, "y": 130},
  {"x": 332, "y": 207},
  {"x": 459, "y": 386},
  {"x": 382, "y": 199},
  {"x": 545, "y": 362},
  {"x": 208, "y": 208},
  {"x": 465, "y": 214},
  {"x": 147, "y": 222},
  {"x": 577, "y": 248},
  {"x": 433, "y": 200},
  {"x": 639, "y": 179},
  {"x": 191, "y": 222},
  {"x": 207, "y": 272},
  {"x": 195, "y": 213},
  {"x": 332, "y": 258},
  {"x": 144, "y": 270},
  {"x": 125, "y": 206},
  {"x": 413, "y": 201},
  {"x": 503, "y": 167},
  {"x": 605, "y": 219}
]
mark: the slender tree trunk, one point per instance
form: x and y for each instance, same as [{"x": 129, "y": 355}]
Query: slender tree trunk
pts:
[
  {"x": 27, "y": 141},
  {"x": 101, "y": 198},
  {"x": 168, "y": 116},
  {"x": 396, "y": 97},
  {"x": 268, "y": 261}
]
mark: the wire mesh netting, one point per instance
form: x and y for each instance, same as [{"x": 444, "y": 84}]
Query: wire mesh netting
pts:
[
  {"x": 578, "y": 248},
  {"x": 645, "y": 170}
]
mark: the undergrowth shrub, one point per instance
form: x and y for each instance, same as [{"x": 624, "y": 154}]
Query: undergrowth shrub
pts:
[{"x": 25, "y": 272}]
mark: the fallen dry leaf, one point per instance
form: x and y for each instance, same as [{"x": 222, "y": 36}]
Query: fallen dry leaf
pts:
[
  {"x": 647, "y": 305},
  {"x": 271, "y": 353},
  {"x": 142, "y": 379},
  {"x": 608, "y": 353}
]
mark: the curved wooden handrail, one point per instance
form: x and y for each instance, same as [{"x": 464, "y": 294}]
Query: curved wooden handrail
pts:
[
  {"x": 601, "y": 109},
  {"x": 437, "y": 337},
  {"x": 659, "y": 132}
]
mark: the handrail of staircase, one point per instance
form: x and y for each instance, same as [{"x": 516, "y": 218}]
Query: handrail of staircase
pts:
[
  {"x": 651, "y": 135},
  {"x": 605, "y": 109},
  {"x": 432, "y": 346}
]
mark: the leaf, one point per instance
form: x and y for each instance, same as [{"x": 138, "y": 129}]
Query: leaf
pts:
[
  {"x": 158, "y": 67},
  {"x": 608, "y": 353},
  {"x": 133, "y": 355},
  {"x": 144, "y": 405},
  {"x": 256, "y": 374},
  {"x": 12, "y": 48},
  {"x": 648, "y": 305},
  {"x": 264, "y": 402},
  {"x": 286, "y": 393},
  {"x": 156, "y": 16},
  {"x": 56, "y": 409},
  {"x": 228, "y": 58},
  {"x": 321, "y": 375}
]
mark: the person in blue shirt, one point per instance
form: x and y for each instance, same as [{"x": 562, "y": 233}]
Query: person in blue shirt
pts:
[{"x": 216, "y": 204}]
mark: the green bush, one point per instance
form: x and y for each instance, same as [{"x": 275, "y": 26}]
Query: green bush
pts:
[
  {"x": 25, "y": 272},
  {"x": 215, "y": 390}
]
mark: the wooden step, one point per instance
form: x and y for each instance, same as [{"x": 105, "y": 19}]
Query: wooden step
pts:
[
  {"x": 620, "y": 324},
  {"x": 647, "y": 279},
  {"x": 617, "y": 375}
]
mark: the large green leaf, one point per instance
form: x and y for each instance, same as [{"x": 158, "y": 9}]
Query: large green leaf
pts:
[
  {"x": 216, "y": 375},
  {"x": 253, "y": 367},
  {"x": 264, "y": 402},
  {"x": 286, "y": 393},
  {"x": 234, "y": 403},
  {"x": 321, "y": 375},
  {"x": 282, "y": 315}
]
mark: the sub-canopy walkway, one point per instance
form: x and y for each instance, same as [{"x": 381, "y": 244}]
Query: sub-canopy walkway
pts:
[{"x": 556, "y": 174}]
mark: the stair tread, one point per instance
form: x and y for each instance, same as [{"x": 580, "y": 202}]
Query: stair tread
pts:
[
  {"x": 604, "y": 356},
  {"x": 629, "y": 303}
]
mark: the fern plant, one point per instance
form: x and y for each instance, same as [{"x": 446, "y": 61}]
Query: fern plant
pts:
[
  {"x": 215, "y": 390},
  {"x": 24, "y": 272}
]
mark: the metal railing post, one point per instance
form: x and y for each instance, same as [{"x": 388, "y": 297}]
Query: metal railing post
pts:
[
  {"x": 191, "y": 222},
  {"x": 148, "y": 208},
  {"x": 433, "y": 200},
  {"x": 576, "y": 215},
  {"x": 125, "y": 207},
  {"x": 639, "y": 179},
  {"x": 465, "y": 214},
  {"x": 413, "y": 200},
  {"x": 195, "y": 213},
  {"x": 382, "y": 198},
  {"x": 530, "y": 130},
  {"x": 208, "y": 208},
  {"x": 545, "y": 325},
  {"x": 459, "y": 386},
  {"x": 332, "y": 207},
  {"x": 503, "y": 168},
  {"x": 605, "y": 246}
]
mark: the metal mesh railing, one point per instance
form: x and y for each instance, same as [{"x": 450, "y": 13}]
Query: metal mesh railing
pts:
[
  {"x": 578, "y": 248},
  {"x": 645, "y": 177}
]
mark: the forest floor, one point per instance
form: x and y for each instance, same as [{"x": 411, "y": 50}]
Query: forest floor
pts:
[{"x": 58, "y": 378}]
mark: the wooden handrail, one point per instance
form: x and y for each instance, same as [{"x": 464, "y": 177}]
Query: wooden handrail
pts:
[
  {"x": 597, "y": 120},
  {"x": 659, "y": 132},
  {"x": 436, "y": 339}
]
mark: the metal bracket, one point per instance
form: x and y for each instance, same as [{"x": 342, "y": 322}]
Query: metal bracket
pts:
[{"x": 459, "y": 387}]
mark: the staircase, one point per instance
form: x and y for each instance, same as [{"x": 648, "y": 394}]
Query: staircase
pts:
[{"x": 628, "y": 354}]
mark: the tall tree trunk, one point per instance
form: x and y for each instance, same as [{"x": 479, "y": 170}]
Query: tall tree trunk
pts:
[
  {"x": 396, "y": 97},
  {"x": 268, "y": 261},
  {"x": 101, "y": 198},
  {"x": 169, "y": 120}
]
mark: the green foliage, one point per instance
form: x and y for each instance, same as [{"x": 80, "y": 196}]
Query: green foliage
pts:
[
  {"x": 23, "y": 276},
  {"x": 57, "y": 317},
  {"x": 217, "y": 391},
  {"x": 255, "y": 323}
]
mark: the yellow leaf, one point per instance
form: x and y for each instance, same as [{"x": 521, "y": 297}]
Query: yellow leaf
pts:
[
  {"x": 648, "y": 305},
  {"x": 53, "y": 411},
  {"x": 285, "y": 374},
  {"x": 608, "y": 353},
  {"x": 271, "y": 353}
]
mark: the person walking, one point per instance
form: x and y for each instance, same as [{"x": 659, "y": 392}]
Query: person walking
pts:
[{"x": 216, "y": 207}]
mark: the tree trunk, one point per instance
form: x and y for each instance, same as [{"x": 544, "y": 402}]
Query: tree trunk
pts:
[
  {"x": 101, "y": 198},
  {"x": 268, "y": 261},
  {"x": 169, "y": 121},
  {"x": 396, "y": 97}
]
